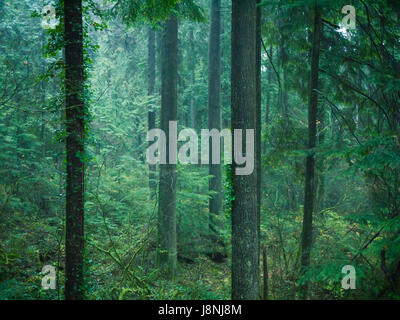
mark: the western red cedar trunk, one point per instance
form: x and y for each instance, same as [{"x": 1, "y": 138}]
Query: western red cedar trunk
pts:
[
  {"x": 310, "y": 161},
  {"x": 214, "y": 122},
  {"x": 167, "y": 188},
  {"x": 151, "y": 65},
  {"x": 245, "y": 244},
  {"x": 75, "y": 126},
  {"x": 258, "y": 115}
]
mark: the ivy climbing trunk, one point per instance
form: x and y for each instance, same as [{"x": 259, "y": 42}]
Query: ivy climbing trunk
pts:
[
  {"x": 167, "y": 251},
  {"x": 245, "y": 242},
  {"x": 75, "y": 127},
  {"x": 151, "y": 80},
  {"x": 214, "y": 122},
  {"x": 306, "y": 243}
]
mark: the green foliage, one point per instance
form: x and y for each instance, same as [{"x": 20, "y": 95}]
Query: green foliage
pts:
[{"x": 356, "y": 216}]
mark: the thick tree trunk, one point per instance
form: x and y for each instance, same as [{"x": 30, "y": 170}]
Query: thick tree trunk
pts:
[
  {"x": 151, "y": 64},
  {"x": 245, "y": 243},
  {"x": 310, "y": 161},
  {"x": 167, "y": 252},
  {"x": 75, "y": 125},
  {"x": 214, "y": 122}
]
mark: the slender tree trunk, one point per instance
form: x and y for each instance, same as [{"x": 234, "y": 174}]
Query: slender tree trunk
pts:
[
  {"x": 245, "y": 243},
  {"x": 283, "y": 58},
  {"x": 321, "y": 163},
  {"x": 192, "y": 82},
  {"x": 258, "y": 117},
  {"x": 268, "y": 100},
  {"x": 151, "y": 64},
  {"x": 75, "y": 125},
  {"x": 159, "y": 36},
  {"x": 167, "y": 188},
  {"x": 43, "y": 115},
  {"x": 265, "y": 274},
  {"x": 310, "y": 161},
  {"x": 214, "y": 122}
]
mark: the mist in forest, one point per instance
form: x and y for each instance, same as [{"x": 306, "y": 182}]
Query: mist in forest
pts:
[{"x": 199, "y": 150}]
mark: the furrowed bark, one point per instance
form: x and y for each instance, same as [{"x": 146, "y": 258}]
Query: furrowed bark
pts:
[
  {"x": 167, "y": 251},
  {"x": 245, "y": 244},
  {"x": 75, "y": 127},
  {"x": 214, "y": 122}
]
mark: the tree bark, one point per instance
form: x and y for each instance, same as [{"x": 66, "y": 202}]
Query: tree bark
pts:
[
  {"x": 75, "y": 126},
  {"x": 167, "y": 252},
  {"x": 283, "y": 60},
  {"x": 245, "y": 243},
  {"x": 258, "y": 116},
  {"x": 265, "y": 274},
  {"x": 310, "y": 161},
  {"x": 214, "y": 122},
  {"x": 268, "y": 99},
  {"x": 192, "y": 82},
  {"x": 151, "y": 64},
  {"x": 321, "y": 163}
]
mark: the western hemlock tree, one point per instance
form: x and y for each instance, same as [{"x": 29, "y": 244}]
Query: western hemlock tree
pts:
[
  {"x": 167, "y": 250},
  {"x": 245, "y": 244},
  {"x": 214, "y": 122},
  {"x": 75, "y": 126},
  {"x": 306, "y": 240}
]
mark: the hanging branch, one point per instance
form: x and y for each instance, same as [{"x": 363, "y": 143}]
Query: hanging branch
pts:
[
  {"x": 272, "y": 64},
  {"x": 344, "y": 119},
  {"x": 346, "y": 83}
]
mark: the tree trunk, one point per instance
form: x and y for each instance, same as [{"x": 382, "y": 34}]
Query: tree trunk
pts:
[
  {"x": 321, "y": 163},
  {"x": 265, "y": 274},
  {"x": 258, "y": 116},
  {"x": 245, "y": 243},
  {"x": 151, "y": 64},
  {"x": 268, "y": 102},
  {"x": 192, "y": 82},
  {"x": 167, "y": 252},
  {"x": 283, "y": 59},
  {"x": 75, "y": 126},
  {"x": 310, "y": 161},
  {"x": 214, "y": 122}
]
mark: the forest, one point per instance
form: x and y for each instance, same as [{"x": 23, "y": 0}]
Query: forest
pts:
[{"x": 199, "y": 150}]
